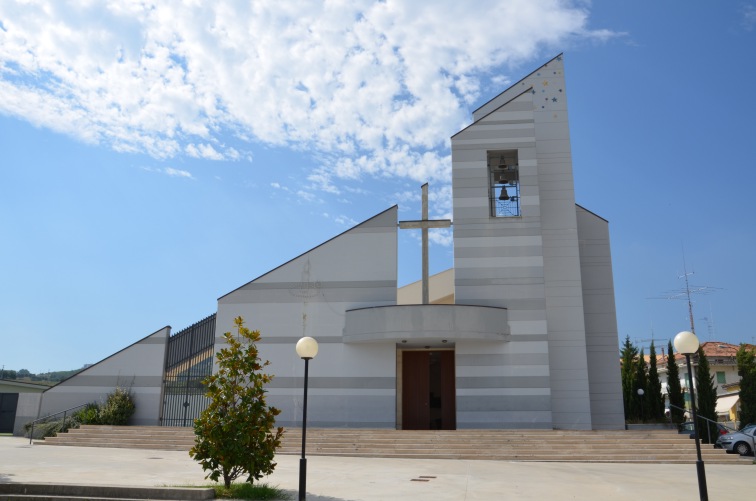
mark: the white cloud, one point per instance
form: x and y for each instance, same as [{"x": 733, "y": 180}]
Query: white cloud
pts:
[
  {"x": 169, "y": 171},
  {"x": 203, "y": 151},
  {"x": 178, "y": 173},
  {"x": 374, "y": 88},
  {"x": 749, "y": 17}
]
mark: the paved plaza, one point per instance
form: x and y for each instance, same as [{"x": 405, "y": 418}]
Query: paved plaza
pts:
[{"x": 360, "y": 479}]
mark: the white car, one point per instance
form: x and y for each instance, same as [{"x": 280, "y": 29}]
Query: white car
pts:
[{"x": 743, "y": 442}]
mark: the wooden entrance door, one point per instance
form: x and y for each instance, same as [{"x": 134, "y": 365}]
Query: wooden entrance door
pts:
[{"x": 428, "y": 390}]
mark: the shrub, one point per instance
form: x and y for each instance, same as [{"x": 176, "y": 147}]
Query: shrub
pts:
[
  {"x": 89, "y": 414},
  {"x": 117, "y": 408}
]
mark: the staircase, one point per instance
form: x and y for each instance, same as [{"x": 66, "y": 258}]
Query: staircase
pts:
[{"x": 655, "y": 446}]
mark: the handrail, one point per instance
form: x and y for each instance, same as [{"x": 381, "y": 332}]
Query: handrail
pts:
[
  {"x": 47, "y": 418},
  {"x": 701, "y": 417}
]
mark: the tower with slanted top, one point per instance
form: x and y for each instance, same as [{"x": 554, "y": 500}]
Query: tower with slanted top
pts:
[{"x": 521, "y": 243}]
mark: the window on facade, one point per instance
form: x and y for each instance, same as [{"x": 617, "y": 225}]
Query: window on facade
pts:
[
  {"x": 504, "y": 183},
  {"x": 721, "y": 378}
]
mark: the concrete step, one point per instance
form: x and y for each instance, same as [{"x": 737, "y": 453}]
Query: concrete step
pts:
[
  {"x": 63, "y": 492},
  {"x": 655, "y": 446}
]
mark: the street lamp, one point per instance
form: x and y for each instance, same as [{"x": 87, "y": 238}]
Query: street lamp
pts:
[
  {"x": 687, "y": 343},
  {"x": 640, "y": 394},
  {"x": 307, "y": 348}
]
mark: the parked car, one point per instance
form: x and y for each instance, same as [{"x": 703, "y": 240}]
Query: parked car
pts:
[
  {"x": 687, "y": 428},
  {"x": 742, "y": 442}
]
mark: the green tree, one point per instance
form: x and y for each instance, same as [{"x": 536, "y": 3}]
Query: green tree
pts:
[
  {"x": 706, "y": 395},
  {"x": 628, "y": 361},
  {"x": 655, "y": 397},
  {"x": 746, "y": 358},
  {"x": 236, "y": 434},
  {"x": 674, "y": 388},
  {"x": 640, "y": 383}
]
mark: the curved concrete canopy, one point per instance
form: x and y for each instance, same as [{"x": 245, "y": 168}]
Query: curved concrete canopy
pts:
[{"x": 428, "y": 323}]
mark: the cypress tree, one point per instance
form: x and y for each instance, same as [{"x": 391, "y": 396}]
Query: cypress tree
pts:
[
  {"x": 706, "y": 394},
  {"x": 674, "y": 388},
  {"x": 640, "y": 383},
  {"x": 628, "y": 354},
  {"x": 746, "y": 358},
  {"x": 655, "y": 397}
]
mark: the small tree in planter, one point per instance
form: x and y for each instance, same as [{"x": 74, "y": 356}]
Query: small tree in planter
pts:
[{"x": 235, "y": 434}]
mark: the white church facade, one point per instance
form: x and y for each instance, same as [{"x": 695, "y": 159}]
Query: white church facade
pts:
[{"x": 521, "y": 333}]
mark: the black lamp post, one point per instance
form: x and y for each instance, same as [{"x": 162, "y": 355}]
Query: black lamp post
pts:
[
  {"x": 641, "y": 392},
  {"x": 687, "y": 343},
  {"x": 307, "y": 348}
]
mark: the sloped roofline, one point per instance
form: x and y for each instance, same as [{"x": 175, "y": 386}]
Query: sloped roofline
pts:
[
  {"x": 507, "y": 90},
  {"x": 308, "y": 251},
  {"x": 107, "y": 358},
  {"x": 591, "y": 212}
]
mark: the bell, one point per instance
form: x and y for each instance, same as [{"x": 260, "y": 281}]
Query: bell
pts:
[{"x": 503, "y": 195}]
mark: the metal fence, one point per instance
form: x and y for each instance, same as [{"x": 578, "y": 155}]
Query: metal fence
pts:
[{"x": 189, "y": 360}]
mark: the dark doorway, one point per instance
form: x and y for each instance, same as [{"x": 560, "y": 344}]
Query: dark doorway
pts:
[
  {"x": 428, "y": 391},
  {"x": 8, "y": 404}
]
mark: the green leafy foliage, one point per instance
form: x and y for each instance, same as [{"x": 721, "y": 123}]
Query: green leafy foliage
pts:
[
  {"x": 90, "y": 414},
  {"x": 117, "y": 408},
  {"x": 706, "y": 395},
  {"x": 236, "y": 435},
  {"x": 51, "y": 428},
  {"x": 674, "y": 388},
  {"x": 249, "y": 491},
  {"x": 746, "y": 358}
]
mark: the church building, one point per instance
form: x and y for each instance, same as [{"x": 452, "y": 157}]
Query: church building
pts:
[{"x": 521, "y": 333}]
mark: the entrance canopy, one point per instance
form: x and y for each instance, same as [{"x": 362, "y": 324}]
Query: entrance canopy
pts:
[{"x": 426, "y": 324}]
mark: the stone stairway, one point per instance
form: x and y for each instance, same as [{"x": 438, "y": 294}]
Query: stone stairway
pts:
[{"x": 656, "y": 446}]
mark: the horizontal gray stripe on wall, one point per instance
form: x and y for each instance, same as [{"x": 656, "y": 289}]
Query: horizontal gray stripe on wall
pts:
[
  {"x": 498, "y": 251},
  {"x": 335, "y": 383},
  {"x": 503, "y": 403},
  {"x": 491, "y": 360},
  {"x": 292, "y": 340},
  {"x": 479, "y": 298},
  {"x": 378, "y": 228},
  {"x": 534, "y": 230},
  {"x": 355, "y": 294},
  {"x": 296, "y": 286},
  {"x": 503, "y": 382},
  {"x": 512, "y": 144},
  {"x": 498, "y": 133},
  {"x": 113, "y": 381},
  {"x": 154, "y": 340},
  {"x": 475, "y": 277},
  {"x": 512, "y": 306},
  {"x": 514, "y": 105}
]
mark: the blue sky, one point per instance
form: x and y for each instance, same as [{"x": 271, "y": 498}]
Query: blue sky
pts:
[{"x": 156, "y": 157}]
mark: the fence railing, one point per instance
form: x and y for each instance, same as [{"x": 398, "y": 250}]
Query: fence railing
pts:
[
  {"x": 50, "y": 417},
  {"x": 708, "y": 428}
]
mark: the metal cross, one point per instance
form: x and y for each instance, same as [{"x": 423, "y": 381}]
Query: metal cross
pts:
[{"x": 424, "y": 224}]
